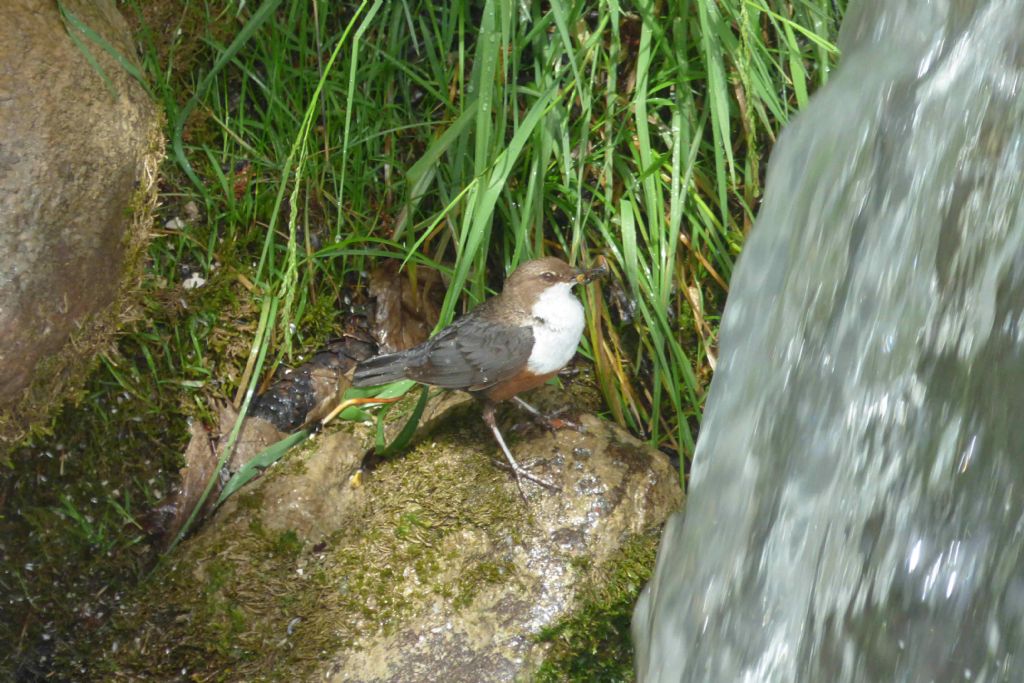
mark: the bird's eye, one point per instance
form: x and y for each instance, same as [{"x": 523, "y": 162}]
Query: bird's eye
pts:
[{"x": 549, "y": 276}]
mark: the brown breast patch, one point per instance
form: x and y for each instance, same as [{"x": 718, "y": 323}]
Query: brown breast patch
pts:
[{"x": 523, "y": 381}]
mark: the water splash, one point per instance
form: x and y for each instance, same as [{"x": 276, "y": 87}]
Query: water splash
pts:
[{"x": 856, "y": 507}]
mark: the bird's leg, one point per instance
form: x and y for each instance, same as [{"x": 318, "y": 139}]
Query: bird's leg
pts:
[
  {"x": 552, "y": 422},
  {"x": 519, "y": 472}
]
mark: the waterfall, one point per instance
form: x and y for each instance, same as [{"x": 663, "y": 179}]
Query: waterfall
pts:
[{"x": 856, "y": 506}]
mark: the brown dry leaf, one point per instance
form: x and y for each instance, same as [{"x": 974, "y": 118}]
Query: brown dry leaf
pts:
[
  {"x": 170, "y": 514},
  {"x": 296, "y": 397},
  {"x": 408, "y": 305}
]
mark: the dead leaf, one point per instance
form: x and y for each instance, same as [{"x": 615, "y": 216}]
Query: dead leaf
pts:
[
  {"x": 169, "y": 515},
  {"x": 295, "y": 397},
  {"x": 408, "y": 305}
]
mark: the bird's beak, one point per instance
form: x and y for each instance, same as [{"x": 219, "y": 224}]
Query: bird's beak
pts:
[{"x": 600, "y": 269}]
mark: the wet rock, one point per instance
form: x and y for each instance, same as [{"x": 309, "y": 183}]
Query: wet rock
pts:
[
  {"x": 78, "y": 157},
  {"x": 307, "y": 393},
  {"x": 429, "y": 566},
  {"x": 612, "y": 487}
]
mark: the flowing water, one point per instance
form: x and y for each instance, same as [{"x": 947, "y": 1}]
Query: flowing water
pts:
[{"x": 856, "y": 508}]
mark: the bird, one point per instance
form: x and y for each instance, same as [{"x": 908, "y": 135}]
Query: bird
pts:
[{"x": 508, "y": 344}]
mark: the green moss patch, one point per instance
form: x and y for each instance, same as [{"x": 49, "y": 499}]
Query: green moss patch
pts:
[
  {"x": 243, "y": 602},
  {"x": 593, "y": 645}
]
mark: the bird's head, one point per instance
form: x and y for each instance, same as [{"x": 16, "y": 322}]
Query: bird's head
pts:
[{"x": 550, "y": 271}]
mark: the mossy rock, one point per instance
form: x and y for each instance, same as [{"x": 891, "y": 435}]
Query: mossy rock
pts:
[
  {"x": 79, "y": 188},
  {"x": 429, "y": 567}
]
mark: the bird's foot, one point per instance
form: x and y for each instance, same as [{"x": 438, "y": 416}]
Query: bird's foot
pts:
[
  {"x": 554, "y": 421},
  {"x": 518, "y": 470},
  {"x": 522, "y": 472},
  {"x": 549, "y": 421}
]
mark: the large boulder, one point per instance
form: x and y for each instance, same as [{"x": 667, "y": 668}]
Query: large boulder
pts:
[
  {"x": 426, "y": 567},
  {"x": 80, "y": 143}
]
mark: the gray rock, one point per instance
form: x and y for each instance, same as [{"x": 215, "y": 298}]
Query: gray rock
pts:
[
  {"x": 429, "y": 566},
  {"x": 612, "y": 487},
  {"x": 78, "y": 160}
]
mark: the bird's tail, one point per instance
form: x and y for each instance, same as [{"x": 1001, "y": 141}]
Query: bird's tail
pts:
[{"x": 390, "y": 367}]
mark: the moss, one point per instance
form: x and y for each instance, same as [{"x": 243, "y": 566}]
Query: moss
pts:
[
  {"x": 245, "y": 602},
  {"x": 593, "y": 644},
  {"x": 250, "y": 499},
  {"x": 484, "y": 573},
  {"x": 286, "y": 544}
]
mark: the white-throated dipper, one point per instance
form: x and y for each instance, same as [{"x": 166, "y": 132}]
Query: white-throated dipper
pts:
[{"x": 508, "y": 344}]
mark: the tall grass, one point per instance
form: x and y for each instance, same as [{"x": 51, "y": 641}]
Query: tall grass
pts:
[{"x": 470, "y": 137}]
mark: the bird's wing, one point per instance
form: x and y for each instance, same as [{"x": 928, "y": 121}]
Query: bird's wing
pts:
[{"x": 473, "y": 353}]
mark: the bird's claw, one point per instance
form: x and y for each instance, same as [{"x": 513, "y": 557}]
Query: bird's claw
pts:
[
  {"x": 553, "y": 424},
  {"x": 521, "y": 472},
  {"x": 549, "y": 421}
]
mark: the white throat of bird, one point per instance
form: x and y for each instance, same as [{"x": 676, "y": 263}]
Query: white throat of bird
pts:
[{"x": 557, "y": 328}]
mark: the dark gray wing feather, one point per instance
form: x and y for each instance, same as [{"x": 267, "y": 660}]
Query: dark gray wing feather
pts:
[
  {"x": 472, "y": 353},
  {"x": 380, "y": 370}
]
